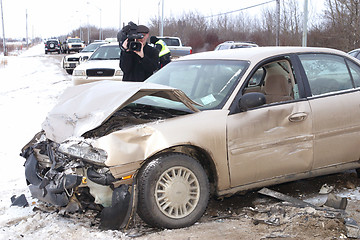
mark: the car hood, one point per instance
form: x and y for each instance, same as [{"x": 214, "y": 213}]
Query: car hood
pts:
[
  {"x": 84, "y": 107},
  {"x": 99, "y": 64},
  {"x": 75, "y": 55}
]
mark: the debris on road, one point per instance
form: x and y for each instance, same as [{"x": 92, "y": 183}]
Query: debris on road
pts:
[
  {"x": 336, "y": 202},
  {"x": 19, "y": 201},
  {"x": 326, "y": 189}
]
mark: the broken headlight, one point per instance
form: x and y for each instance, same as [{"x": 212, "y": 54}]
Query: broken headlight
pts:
[{"x": 83, "y": 150}]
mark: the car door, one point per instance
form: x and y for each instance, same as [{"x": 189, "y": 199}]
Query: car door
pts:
[
  {"x": 335, "y": 103},
  {"x": 274, "y": 140}
]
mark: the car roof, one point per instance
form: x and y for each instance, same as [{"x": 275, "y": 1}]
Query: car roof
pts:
[
  {"x": 354, "y": 50},
  {"x": 110, "y": 44},
  {"x": 251, "y": 54}
]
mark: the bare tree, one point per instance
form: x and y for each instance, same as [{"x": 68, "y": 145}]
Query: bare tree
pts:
[{"x": 342, "y": 22}]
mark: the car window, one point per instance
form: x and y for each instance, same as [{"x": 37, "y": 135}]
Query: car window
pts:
[
  {"x": 353, "y": 53},
  {"x": 275, "y": 80},
  {"x": 74, "y": 40},
  {"x": 355, "y": 73},
  {"x": 207, "y": 82},
  {"x": 326, "y": 73},
  {"x": 92, "y": 47},
  {"x": 106, "y": 53},
  {"x": 171, "y": 41},
  {"x": 222, "y": 47}
]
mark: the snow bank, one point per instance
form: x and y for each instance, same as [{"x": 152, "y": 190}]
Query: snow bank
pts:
[{"x": 30, "y": 86}]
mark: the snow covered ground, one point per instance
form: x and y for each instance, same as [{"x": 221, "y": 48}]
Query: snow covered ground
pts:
[{"x": 30, "y": 85}]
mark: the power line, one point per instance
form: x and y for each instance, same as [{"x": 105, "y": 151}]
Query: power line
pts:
[{"x": 241, "y": 9}]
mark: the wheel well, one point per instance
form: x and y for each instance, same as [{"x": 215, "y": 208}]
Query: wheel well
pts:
[{"x": 202, "y": 156}]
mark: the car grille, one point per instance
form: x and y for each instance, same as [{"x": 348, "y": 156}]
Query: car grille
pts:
[
  {"x": 100, "y": 72},
  {"x": 73, "y": 59},
  {"x": 76, "y": 45}
]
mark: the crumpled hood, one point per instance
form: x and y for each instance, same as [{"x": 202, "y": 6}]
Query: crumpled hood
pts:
[{"x": 84, "y": 107}]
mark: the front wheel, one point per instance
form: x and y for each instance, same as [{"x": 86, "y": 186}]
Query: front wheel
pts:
[{"x": 173, "y": 191}]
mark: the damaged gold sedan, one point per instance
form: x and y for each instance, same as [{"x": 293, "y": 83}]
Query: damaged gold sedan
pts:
[{"x": 213, "y": 123}]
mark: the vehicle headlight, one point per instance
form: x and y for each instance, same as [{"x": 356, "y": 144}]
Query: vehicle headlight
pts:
[
  {"x": 83, "y": 150},
  {"x": 79, "y": 73},
  {"x": 118, "y": 73}
]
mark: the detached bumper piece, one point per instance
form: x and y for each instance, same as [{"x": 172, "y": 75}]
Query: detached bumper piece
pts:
[
  {"x": 115, "y": 217},
  {"x": 54, "y": 189}
]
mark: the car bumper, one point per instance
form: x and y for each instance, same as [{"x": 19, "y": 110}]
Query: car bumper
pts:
[
  {"x": 70, "y": 65},
  {"x": 54, "y": 192},
  {"x": 75, "y": 49},
  {"x": 52, "y": 49}
]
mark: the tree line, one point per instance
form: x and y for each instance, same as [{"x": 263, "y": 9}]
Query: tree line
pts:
[{"x": 338, "y": 26}]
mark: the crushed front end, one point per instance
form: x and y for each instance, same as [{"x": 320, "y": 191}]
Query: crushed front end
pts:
[
  {"x": 95, "y": 140},
  {"x": 58, "y": 173}
]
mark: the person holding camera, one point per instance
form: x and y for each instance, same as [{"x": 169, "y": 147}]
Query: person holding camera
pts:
[{"x": 138, "y": 60}]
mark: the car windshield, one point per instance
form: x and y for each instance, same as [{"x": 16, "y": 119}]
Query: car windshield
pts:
[
  {"x": 92, "y": 47},
  {"x": 74, "y": 40},
  {"x": 207, "y": 82},
  {"x": 106, "y": 53}
]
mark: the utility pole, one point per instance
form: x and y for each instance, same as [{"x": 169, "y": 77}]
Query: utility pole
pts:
[
  {"x": 3, "y": 29},
  {"x": 277, "y": 22},
  {"x": 304, "y": 37},
  {"x": 27, "y": 38},
  {"x": 88, "y": 30},
  {"x": 120, "y": 24},
  {"x": 162, "y": 19},
  {"x": 100, "y": 32}
]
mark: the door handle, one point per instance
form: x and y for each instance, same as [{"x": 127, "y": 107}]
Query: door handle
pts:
[{"x": 298, "y": 117}]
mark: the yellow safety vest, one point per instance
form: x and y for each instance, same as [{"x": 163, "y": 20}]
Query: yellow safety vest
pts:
[{"x": 164, "y": 48}]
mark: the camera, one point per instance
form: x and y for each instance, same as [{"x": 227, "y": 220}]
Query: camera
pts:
[{"x": 130, "y": 32}]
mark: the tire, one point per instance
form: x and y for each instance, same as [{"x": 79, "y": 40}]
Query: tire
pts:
[
  {"x": 69, "y": 71},
  {"x": 358, "y": 172},
  {"x": 164, "y": 185}
]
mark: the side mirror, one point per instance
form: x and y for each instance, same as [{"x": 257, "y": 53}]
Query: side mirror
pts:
[{"x": 251, "y": 100}]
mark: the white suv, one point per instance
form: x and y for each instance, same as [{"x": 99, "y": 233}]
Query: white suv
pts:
[{"x": 70, "y": 62}]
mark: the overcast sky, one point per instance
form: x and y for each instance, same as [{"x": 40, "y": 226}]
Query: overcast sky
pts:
[{"x": 54, "y": 18}]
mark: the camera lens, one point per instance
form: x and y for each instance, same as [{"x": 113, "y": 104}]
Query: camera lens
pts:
[{"x": 134, "y": 46}]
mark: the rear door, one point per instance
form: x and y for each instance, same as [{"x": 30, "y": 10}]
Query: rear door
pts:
[{"x": 335, "y": 102}]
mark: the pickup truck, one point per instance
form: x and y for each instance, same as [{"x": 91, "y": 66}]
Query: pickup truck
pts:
[
  {"x": 175, "y": 46},
  {"x": 72, "y": 45}
]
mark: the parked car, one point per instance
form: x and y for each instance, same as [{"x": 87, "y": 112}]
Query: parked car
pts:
[
  {"x": 70, "y": 62},
  {"x": 355, "y": 53},
  {"x": 72, "y": 45},
  {"x": 52, "y": 45},
  {"x": 234, "y": 45},
  {"x": 103, "y": 64},
  {"x": 212, "y": 123}
]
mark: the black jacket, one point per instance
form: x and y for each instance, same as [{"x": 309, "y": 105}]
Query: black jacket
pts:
[{"x": 137, "y": 69}]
